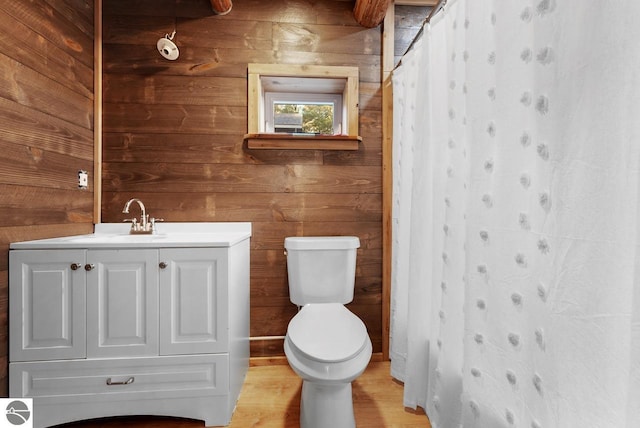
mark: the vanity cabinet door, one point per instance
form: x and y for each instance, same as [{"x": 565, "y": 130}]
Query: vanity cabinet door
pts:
[
  {"x": 122, "y": 303},
  {"x": 193, "y": 301},
  {"x": 46, "y": 304}
]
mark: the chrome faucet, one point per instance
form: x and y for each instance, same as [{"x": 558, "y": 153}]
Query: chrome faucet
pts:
[{"x": 145, "y": 225}]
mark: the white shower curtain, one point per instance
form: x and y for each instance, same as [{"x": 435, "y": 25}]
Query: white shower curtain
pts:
[{"x": 516, "y": 272}]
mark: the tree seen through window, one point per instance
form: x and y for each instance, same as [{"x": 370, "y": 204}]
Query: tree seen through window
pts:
[{"x": 303, "y": 118}]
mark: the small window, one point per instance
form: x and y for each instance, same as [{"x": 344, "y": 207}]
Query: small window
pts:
[
  {"x": 303, "y": 113},
  {"x": 293, "y": 103}
]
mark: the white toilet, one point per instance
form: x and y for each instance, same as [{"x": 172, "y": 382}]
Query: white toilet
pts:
[{"x": 326, "y": 344}]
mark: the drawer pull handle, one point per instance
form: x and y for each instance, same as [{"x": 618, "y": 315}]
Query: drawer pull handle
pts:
[
  {"x": 76, "y": 266},
  {"x": 89, "y": 266},
  {"x": 126, "y": 382}
]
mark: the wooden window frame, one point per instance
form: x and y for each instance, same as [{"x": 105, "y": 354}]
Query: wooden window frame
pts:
[{"x": 258, "y": 138}]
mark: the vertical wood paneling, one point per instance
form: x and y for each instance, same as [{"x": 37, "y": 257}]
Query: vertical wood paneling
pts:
[
  {"x": 46, "y": 128},
  {"x": 97, "y": 118},
  {"x": 173, "y": 136}
]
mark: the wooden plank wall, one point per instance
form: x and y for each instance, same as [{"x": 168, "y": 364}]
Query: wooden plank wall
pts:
[
  {"x": 46, "y": 135},
  {"x": 173, "y": 136}
]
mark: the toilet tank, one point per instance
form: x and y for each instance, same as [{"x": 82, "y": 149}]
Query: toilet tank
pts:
[{"x": 321, "y": 269}]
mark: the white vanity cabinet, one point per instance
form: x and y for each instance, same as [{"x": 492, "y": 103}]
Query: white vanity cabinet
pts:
[{"x": 153, "y": 326}]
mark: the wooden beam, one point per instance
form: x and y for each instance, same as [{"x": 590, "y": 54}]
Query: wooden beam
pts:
[
  {"x": 388, "y": 42},
  {"x": 221, "y": 7},
  {"x": 97, "y": 113},
  {"x": 370, "y": 13}
]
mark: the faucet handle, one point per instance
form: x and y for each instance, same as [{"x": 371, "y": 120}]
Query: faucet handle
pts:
[
  {"x": 152, "y": 221},
  {"x": 133, "y": 221}
]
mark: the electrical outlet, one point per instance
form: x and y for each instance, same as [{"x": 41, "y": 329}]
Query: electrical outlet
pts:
[{"x": 83, "y": 179}]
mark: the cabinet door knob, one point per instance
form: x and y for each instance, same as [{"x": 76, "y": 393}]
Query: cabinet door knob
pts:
[
  {"x": 89, "y": 266},
  {"x": 76, "y": 266},
  {"x": 163, "y": 265}
]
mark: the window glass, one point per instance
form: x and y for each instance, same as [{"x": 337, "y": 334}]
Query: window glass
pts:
[{"x": 303, "y": 113}]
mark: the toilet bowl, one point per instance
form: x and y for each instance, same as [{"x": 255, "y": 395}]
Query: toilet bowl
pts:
[{"x": 328, "y": 347}]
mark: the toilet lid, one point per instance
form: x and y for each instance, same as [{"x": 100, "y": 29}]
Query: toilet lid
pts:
[{"x": 327, "y": 332}]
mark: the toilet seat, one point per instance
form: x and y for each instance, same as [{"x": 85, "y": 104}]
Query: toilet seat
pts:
[{"x": 327, "y": 332}]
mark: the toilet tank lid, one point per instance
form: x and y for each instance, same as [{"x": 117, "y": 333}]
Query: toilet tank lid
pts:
[{"x": 321, "y": 242}]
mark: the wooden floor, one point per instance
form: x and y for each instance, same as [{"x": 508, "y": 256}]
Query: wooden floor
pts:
[{"x": 270, "y": 398}]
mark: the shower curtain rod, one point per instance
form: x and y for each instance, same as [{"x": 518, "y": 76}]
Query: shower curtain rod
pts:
[{"x": 435, "y": 10}]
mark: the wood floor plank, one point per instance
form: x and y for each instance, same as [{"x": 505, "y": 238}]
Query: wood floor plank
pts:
[{"x": 270, "y": 398}]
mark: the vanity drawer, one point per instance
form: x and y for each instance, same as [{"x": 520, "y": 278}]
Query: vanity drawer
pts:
[{"x": 130, "y": 378}]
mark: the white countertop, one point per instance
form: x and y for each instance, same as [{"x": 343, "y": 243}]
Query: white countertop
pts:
[{"x": 167, "y": 235}]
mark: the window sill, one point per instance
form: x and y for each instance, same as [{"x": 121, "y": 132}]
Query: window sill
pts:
[{"x": 302, "y": 142}]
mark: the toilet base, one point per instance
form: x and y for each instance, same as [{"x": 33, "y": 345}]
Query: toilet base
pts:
[{"x": 326, "y": 405}]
